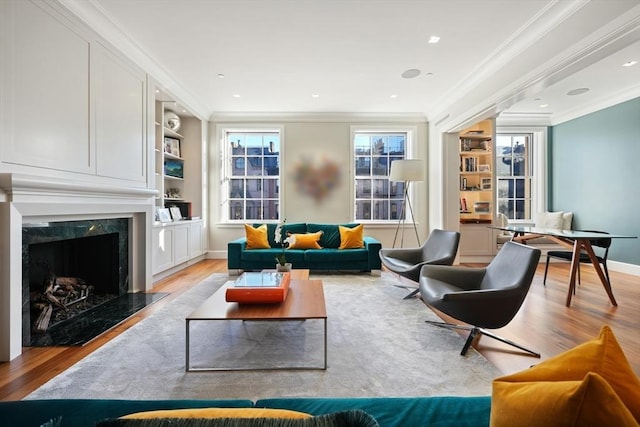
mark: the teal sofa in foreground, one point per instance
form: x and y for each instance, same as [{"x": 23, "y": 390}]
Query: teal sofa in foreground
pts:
[
  {"x": 327, "y": 258},
  {"x": 388, "y": 411}
]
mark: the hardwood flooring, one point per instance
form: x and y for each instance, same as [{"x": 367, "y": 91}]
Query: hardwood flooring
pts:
[{"x": 543, "y": 324}]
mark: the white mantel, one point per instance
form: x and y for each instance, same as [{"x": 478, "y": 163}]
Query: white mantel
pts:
[{"x": 33, "y": 199}]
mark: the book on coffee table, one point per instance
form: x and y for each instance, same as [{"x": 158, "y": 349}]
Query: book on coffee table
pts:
[{"x": 259, "y": 288}]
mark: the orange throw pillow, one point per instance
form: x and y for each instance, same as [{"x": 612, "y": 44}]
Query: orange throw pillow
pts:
[
  {"x": 257, "y": 237},
  {"x": 306, "y": 241},
  {"x": 602, "y": 356},
  {"x": 351, "y": 238}
]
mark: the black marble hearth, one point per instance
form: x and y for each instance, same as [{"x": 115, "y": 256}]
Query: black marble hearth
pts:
[{"x": 84, "y": 327}]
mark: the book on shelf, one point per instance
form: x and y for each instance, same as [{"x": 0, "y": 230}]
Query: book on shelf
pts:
[{"x": 265, "y": 287}]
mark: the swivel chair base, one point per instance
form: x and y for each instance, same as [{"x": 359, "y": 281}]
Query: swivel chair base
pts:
[
  {"x": 413, "y": 293},
  {"x": 474, "y": 331}
]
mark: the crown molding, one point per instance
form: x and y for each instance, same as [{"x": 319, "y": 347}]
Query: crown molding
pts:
[{"x": 337, "y": 117}]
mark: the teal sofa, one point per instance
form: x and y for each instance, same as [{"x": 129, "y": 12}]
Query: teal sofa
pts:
[
  {"x": 388, "y": 411},
  {"x": 327, "y": 258}
]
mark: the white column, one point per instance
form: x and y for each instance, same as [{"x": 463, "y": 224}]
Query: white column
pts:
[{"x": 10, "y": 282}]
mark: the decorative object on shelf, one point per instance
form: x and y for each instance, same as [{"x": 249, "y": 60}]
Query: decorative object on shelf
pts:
[
  {"x": 174, "y": 168},
  {"x": 172, "y": 193},
  {"x": 281, "y": 259},
  {"x": 175, "y": 213},
  {"x": 484, "y": 168},
  {"x": 172, "y": 146},
  {"x": 482, "y": 207},
  {"x": 164, "y": 215},
  {"x": 172, "y": 121},
  {"x": 406, "y": 171},
  {"x": 485, "y": 184}
]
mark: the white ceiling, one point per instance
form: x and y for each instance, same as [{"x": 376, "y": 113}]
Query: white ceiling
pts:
[{"x": 275, "y": 54}]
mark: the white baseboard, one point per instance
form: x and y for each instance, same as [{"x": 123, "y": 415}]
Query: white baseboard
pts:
[{"x": 622, "y": 267}]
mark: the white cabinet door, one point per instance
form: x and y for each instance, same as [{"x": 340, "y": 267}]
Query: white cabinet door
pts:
[
  {"x": 44, "y": 81},
  {"x": 476, "y": 239},
  {"x": 120, "y": 114},
  {"x": 195, "y": 239},
  {"x": 181, "y": 243},
  {"x": 162, "y": 256}
]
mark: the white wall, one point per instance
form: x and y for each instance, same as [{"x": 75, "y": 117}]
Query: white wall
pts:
[{"x": 314, "y": 138}]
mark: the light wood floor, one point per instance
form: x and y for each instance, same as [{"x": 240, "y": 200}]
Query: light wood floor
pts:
[{"x": 543, "y": 323}]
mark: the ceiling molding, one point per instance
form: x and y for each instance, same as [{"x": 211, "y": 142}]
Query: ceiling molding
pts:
[
  {"x": 337, "y": 117},
  {"x": 534, "y": 29},
  {"x": 596, "y": 105},
  {"x": 618, "y": 34}
]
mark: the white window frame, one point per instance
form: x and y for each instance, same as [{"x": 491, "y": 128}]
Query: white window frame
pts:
[
  {"x": 225, "y": 168},
  {"x": 410, "y": 152},
  {"x": 539, "y": 169}
]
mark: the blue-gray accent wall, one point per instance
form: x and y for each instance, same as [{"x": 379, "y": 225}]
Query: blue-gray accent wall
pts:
[{"x": 594, "y": 171}]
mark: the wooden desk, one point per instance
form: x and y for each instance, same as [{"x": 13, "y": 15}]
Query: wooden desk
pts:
[{"x": 575, "y": 241}]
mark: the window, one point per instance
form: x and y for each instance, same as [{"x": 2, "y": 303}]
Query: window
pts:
[
  {"x": 377, "y": 198},
  {"x": 514, "y": 175},
  {"x": 251, "y": 174}
]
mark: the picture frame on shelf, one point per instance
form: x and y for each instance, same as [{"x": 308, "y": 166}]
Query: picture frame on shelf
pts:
[
  {"x": 164, "y": 215},
  {"x": 174, "y": 168},
  {"x": 176, "y": 215},
  {"x": 482, "y": 207},
  {"x": 172, "y": 146},
  {"x": 485, "y": 184},
  {"x": 484, "y": 168}
]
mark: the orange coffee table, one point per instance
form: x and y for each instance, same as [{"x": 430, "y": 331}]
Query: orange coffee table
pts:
[{"x": 304, "y": 301}]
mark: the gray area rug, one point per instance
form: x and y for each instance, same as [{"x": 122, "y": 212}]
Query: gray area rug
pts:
[{"x": 378, "y": 345}]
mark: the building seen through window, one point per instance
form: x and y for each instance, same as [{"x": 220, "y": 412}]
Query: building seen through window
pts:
[
  {"x": 514, "y": 175},
  {"x": 377, "y": 198},
  {"x": 252, "y": 179}
]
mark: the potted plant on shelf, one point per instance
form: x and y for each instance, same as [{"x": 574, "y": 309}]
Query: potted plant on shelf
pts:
[{"x": 281, "y": 258}]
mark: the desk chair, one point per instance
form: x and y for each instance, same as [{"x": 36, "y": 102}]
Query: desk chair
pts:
[
  {"x": 483, "y": 298},
  {"x": 440, "y": 248},
  {"x": 603, "y": 243}
]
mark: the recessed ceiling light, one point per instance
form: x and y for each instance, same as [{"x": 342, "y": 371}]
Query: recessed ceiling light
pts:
[
  {"x": 578, "y": 91},
  {"x": 434, "y": 39},
  {"x": 315, "y": 95},
  {"x": 220, "y": 76},
  {"x": 411, "y": 73},
  {"x": 629, "y": 63},
  {"x": 157, "y": 90},
  {"x": 393, "y": 96},
  {"x": 236, "y": 95},
  {"x": 543, "y": 105}
]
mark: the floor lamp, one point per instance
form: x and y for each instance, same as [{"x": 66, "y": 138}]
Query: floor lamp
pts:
[{"x": 406, "y": 171}]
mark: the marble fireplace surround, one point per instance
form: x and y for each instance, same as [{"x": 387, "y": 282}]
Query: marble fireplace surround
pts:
[{"x": 27, "y": 199}]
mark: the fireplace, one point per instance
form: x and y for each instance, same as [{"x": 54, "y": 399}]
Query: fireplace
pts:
[
  {"x": 30, "y": 204},
  {"x": 69, "y": 268}
]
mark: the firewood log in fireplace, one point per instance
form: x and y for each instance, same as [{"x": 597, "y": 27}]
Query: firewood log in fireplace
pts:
[
  {"x": 59, "y": 292},
  {"x": 42, "y": 323}
]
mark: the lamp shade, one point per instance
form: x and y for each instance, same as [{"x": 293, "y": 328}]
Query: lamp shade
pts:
[{"x": 406, "y": 170}]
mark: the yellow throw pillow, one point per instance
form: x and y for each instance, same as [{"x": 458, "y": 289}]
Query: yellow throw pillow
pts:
[
  {"x": 306, "y": 241},
  {"x": 602, "y": 356},
  {"x": 590, "y": 402},
  {"x": 351, "y": 238},
  {"x": 218, "y": 413},
  {"x": 257, "y": 237}
]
